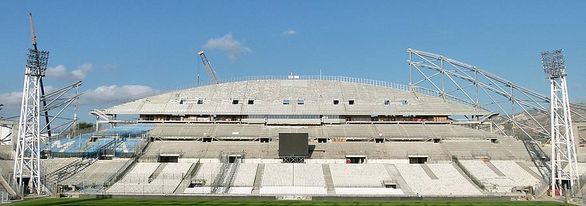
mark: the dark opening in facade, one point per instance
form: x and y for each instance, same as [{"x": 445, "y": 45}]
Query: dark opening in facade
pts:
[
  {"x": 358, "y": 159},
  {"x": 417, "y": 160},
  {"x": 265, "y": 140},
  {"x": 234, "y": 158},
  {"x": 169, "y": 158}
]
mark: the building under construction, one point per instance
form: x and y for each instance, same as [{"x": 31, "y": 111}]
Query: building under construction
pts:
[{"x": 471, "y": 134}]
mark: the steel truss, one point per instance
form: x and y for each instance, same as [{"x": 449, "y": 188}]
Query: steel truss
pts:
[
  {"x": 58, "y": 104},
  {"x": 32, "y": 132},
  {"x": 519, "y": 109},
  {"x": 28, "y": 151},
  {"x": 563, "y": 146},
  {"x": 27, "y": 162},
  {"x": 6, "y": 139}
]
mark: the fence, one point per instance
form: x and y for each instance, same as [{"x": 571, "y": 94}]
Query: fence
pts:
[
  {"x": 4, "y": 197},
  {"x": 161, "y": 184}
]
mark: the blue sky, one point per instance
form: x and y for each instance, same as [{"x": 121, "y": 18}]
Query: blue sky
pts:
[{"x": 123, "y": 49}]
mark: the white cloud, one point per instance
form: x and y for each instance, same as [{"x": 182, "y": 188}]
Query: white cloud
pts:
[
  {"x": 62, "y": 73},
  {"x": 11, "y": 102},
  {"x": 15, "y": 98},
  {"x": 115, "y": 93},
  {"x": 227, "y": 44},
  {"x": 98, "y": 96},
  {"x": 289, "y": 32},
  {"x": 11, "y": 98},
  {"x": 101, "y": 94}
]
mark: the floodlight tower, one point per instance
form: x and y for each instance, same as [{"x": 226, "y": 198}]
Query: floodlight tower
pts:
[
  {"x": 27, "y": 163},
  {"x": 563, "y": 147}
]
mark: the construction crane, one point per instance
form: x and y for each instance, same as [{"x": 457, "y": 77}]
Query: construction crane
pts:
[{"x": 208, "y": 67}]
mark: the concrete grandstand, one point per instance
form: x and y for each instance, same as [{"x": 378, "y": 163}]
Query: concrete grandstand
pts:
[{"x": 366, "y": 138}]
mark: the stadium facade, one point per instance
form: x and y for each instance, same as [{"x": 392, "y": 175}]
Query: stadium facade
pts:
[{"x": 364, "y": 138}]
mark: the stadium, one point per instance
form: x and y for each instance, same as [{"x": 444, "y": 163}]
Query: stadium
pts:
[
  {"x": 365, "y": 138},
  {"x": 291, "y": 137},
  {"x": 452, "y": 132}
]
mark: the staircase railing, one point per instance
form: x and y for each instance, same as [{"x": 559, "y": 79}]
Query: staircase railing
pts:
[
  {"x": 230, "y": 181},
  {"x": 220, "y": 178}
]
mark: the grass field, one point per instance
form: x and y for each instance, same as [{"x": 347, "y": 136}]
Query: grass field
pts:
[{"x": 148, "y": 202}]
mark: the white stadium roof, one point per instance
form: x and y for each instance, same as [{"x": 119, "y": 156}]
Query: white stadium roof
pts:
[{"x": 297, "y": 97}]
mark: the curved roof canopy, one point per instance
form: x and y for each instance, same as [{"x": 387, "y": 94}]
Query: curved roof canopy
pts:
[{"x": 296, "y": 97}]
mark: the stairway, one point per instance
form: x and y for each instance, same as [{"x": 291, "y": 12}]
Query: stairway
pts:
[
  {"x": 6, "y": 186},
  {"x": 494, "y": 169},
  {"x": 328, "y": 179},
  {"x": 187, "y": 178},
  {"x": 429, "y": 172},
  {"x": 396, "y": 175},
  {"x": 69, "y": 170},
  {"x": 529, "y": 170},
  {"x": 230, "y": 179},
  {"x": 539, "y": 158},
  {"x": 219, "y": 180},
  {"x": 157, "y": 172},
  {"x": 258, "y": 179},
  {"x": 468, "y": 176}
]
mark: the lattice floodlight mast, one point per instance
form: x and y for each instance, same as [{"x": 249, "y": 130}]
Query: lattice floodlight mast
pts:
[
  {"x": 563, "y": 145},
  {"x": 37, "y": 104},
  {"x": 27, "y": 162}
]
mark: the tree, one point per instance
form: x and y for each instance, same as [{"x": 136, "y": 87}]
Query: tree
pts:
[{"x": 84, "y": 125}]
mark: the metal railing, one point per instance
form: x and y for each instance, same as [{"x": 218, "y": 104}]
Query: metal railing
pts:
[{"x": 4, "y": 197}]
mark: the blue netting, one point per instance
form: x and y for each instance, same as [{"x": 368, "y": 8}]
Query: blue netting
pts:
[
  {"x": 98, "y": 144},
  {"x": 68, "y": 145},
  {"x": 124, "y": 139},
  {"x": 78, "y": 143},
  {"x": 128, "y": 147},
  {"x": 134, "y": 130}
]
